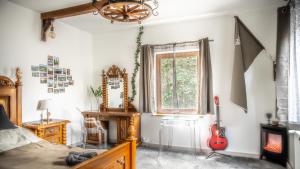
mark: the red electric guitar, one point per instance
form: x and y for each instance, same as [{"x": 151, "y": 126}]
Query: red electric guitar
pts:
[{"x": 218, "y": 140}]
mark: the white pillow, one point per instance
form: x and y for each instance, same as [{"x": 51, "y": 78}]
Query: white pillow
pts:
[
  {"x": 29, "y": 135},
  {"x": 13, "y": 138}
]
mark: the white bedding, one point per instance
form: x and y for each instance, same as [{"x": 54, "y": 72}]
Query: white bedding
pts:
[{"x": 13, "y": 138}]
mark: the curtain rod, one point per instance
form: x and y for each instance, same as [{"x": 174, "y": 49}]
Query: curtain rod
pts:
[{"x": 174, "y": 43}]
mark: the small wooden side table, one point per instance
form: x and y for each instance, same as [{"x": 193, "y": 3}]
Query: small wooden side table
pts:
[{"x": 54, "y": 132}]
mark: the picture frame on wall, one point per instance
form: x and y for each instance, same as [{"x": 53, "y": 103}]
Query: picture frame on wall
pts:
[
  {"x": 43, "y": 74},
  {"x": 50, "y": 82},
  {"x": 50, "y": 71},
  {"x": 43, "y": 68},
  {"x": 55, "y": 61},
  {"x": 64, "y": 71},
  {"x": 62, "y": 78},
  {"x": 68, "y": 72},
  {"x": 50, "y": 61},
  {"x": 69, "y": 78},
  {"x": 60, "y": 84},
  {"x": 35, "y": 74},
  {"x": 71, "y": 83},
  {"x": 56, "y": 91},
  {"x": 35, "y": 68},
  {"x": 43, "y": 80},
  {"x": 58, "y": 71},
  {"x": 50, "y": 90},
  {"x": 61, "y": 90}
]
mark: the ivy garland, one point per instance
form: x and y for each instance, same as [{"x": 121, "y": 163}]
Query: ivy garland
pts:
[{"x": 136, "y": 62}]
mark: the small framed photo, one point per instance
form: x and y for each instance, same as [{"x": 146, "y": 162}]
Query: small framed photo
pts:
[
  {"x": 50, "y": 90},
  {"x": 60, "y": 84},
  {"x": 50, "y": 71},
  {"x": 35, "y": 68},
  {"x": 55, "y": 85},
  {"x": 43, "y": 80},
  {"x": 69, "y": 78},
  {"x": 56, "y": 91},
  {"x": 35, "y": 74},
  {"x": 50, "y": 61},
  {"x": 62, "y": 78},
  {"x": 64, "y": 71},
  {"x": 66, "y": 84},
  {"x": 68, "y": 71},
  {"x": 61, "y": 90},
  {"x": 58, "y": 71},
  {"x": 71, "y": 83},
  {"x": 43, "y": 68},
  {"x": 50, "y": 82},
  {"x": 55, "y": 61},
  {"x": 43, "y": 74}
]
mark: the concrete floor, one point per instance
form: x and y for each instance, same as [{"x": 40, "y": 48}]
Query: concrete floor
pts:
[{"x": 149, "y": 159}]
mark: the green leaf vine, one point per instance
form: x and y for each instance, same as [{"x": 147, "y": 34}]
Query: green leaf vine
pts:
[{"x": 136, "y": 62}]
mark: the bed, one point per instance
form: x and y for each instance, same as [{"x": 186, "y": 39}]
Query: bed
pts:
[{"x": 37, "y": 153}]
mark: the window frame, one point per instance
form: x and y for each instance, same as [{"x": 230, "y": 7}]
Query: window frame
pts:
[{"x": 160, "y": 56}]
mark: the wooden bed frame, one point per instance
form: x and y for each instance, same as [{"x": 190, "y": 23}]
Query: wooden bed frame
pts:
[{"x": 123, "y": 156}]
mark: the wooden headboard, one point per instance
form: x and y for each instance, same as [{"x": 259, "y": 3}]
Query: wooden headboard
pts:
[{"x": 11, "y": 97}]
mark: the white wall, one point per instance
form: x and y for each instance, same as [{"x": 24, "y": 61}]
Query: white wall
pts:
[
  {"x": 242, "y": 129},
  {"x": 21, "y": 47}
]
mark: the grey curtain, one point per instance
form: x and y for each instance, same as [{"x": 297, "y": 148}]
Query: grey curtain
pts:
[
  {"x": 205, "y": 96},
  {"x": 146, "y": 88},
  {"x": 247, "y": 47},
  {"x": 294, "y": 69},
  {"x": 282, "y": 59}
]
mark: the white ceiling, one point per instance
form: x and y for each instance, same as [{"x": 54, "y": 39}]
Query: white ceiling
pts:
[{"x": 169, "y": 11}]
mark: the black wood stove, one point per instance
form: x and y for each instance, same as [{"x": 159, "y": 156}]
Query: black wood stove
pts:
[{"x": 274, "y": 143}]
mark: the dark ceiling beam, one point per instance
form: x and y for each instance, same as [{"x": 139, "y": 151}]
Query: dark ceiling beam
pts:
[
  {"x": 49, "y": 17},
  {"x": 73, "y": 11}
]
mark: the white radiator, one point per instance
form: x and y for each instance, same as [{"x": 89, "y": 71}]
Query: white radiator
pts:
[{"x": 297, "y": 149}]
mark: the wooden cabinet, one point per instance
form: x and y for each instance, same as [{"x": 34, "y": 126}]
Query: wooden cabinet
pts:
[
  {"x": 123, "y": 121},
  {"x": 54, "y": 131}
]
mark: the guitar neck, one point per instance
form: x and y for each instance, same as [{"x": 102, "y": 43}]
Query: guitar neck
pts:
[{"x": 218, "y": 117}]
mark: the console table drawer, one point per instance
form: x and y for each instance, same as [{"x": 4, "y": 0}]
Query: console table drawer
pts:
[
  {"x": 51, "y": 131},
  {"x": 55, "y": 131},
  {"x": 53, "y": 139}
]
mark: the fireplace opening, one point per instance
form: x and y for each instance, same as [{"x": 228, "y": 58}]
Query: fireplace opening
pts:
[{"x": 274, "y": 143}]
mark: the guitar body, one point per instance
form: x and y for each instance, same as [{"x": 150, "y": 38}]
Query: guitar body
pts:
[{"x": 218, "y": 140}]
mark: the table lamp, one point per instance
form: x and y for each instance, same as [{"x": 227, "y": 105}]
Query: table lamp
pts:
[{"x": 42, "y": 106}]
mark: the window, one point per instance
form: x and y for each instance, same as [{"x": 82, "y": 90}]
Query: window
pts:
[{"x": 176, "y": 82}]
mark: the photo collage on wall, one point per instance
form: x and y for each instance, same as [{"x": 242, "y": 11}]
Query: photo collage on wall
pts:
[{"x": 56, "y": 78}]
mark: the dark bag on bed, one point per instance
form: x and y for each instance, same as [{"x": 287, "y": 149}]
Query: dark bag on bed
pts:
[
  {"x": 5, "y": 123},
  {"x": 75, "y": 157}
]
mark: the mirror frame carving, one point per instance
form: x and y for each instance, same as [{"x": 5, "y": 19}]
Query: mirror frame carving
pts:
[{"x": 114, "y": 72}]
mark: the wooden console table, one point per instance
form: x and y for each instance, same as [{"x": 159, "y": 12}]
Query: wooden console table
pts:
[
  {"x": 123, "y": 120},
  {"x": 54, "y": 132}
]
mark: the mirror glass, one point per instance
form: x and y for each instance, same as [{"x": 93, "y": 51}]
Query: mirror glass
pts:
[{"x": 115, "y": 91}]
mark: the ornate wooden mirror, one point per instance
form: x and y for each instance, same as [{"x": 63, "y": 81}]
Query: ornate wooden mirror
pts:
[{"x": 115, "y": 89}]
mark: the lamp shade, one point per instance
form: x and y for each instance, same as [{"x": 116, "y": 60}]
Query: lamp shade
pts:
[{"x": 43, "y": 105}]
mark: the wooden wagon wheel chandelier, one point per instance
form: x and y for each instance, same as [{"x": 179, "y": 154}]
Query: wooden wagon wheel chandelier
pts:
[
  {"x": 114, "y": 10},
  {"x": 127, "y": 10}
]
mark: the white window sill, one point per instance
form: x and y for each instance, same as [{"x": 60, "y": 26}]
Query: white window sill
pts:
[{"x": 173, "y": 115}]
